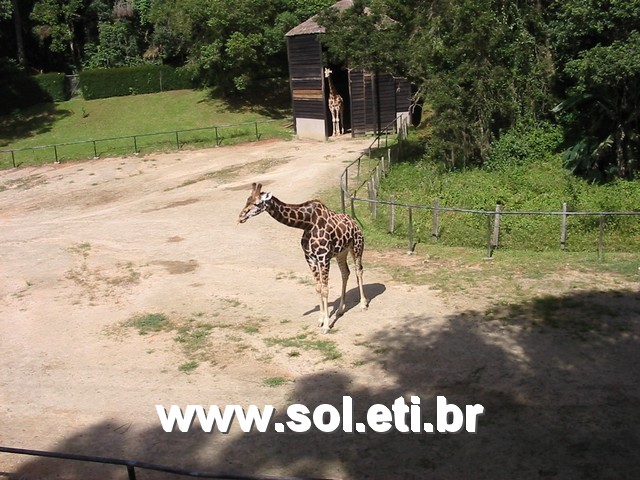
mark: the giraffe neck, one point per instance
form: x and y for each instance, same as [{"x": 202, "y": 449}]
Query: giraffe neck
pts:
[
  {"x": 296, "y": 216},
  {"x": 332, "y": 88}
]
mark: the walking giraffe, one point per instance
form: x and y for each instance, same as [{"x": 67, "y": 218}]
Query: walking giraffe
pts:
[{"x": 326, "y": 234}]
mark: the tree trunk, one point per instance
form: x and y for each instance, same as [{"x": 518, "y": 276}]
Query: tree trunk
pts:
[
  {"x": 17, "y": 22},
  {"x": 620, "y": 160}
]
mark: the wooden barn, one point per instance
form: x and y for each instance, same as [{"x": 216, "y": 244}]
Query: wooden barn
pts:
[{"x": 371, "y": 100}]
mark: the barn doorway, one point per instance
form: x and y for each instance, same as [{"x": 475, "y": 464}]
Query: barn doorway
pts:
[{"x": 340, "y": 77}]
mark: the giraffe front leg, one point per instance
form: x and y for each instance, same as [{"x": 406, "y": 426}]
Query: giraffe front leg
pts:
[
  {"x": 317, "y": 276},
  {"x": 324, "y": 298}
]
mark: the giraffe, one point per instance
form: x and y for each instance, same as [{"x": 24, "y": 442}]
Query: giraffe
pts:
[
  {"x": 326, "y": 234},
  {"x": 336, "y": 105}
]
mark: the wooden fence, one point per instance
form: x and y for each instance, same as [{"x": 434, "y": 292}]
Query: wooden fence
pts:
[{"x": 378, "y": 162}]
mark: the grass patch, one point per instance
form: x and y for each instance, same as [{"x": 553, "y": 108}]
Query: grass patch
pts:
[
  {"x": 274, "y": 382},
  {"x": 150, "y": 322},
  {"x": 327, "y": 348},
  {"x": 188, "y": 367},
  {"x": 80, "y": 120},
  {"x": 193, "y": 336}
]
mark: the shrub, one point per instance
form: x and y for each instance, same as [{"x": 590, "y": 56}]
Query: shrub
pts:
[
  {"x": 525, "y": 144},
  {"x": 19, "y": 89},
  {"x": 541, "y": 185},
  {"x": 55, "y": 86},
  {"x": 116, "y": 82}
]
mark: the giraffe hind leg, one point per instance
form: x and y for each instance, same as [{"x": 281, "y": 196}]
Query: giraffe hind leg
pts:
[
  {"x": 357, "y": 259},
  {"x": 344, "y": 271}
]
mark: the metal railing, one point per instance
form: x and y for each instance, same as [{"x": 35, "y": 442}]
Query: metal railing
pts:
[
  {"x": 130, "y": 143},
  {"x": 131, "y": 466}
]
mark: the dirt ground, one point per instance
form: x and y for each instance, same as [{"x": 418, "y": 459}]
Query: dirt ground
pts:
[{"x": 87, "y": 247}]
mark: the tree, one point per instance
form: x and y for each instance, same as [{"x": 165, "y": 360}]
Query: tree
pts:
[
  {"x": 232, "y": 48},
  {"x": 482, "y": 66},
  {"x": 598, "y": 55},
  {"x": 57, "y": 23},
  {"x": 123, "y": 37}
]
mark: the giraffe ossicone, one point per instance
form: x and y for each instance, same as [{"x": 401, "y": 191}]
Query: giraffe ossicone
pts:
[{"x": 326, "y": 234}]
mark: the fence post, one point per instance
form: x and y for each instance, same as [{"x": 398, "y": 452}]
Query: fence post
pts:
[
  {"x": 353, "y": 206},
  {"x": 488, "y": 257},
  {"x": 13, "y": 158},
  {"x": 55, "y": 154},
  {"x": 436, "y": 219},
  {"x": 496, "y": 227},
  {"x": 563, "y": 231},
  {"x": 411, "y": 245},
  {"x": 374, "y": 192},
  {"x": 601, "y": 238},
  {"x": 131, "y": 471},
  {"x": 257, "y": 134},
  {"x": 392, "y": 214},
  {"x": 177, "y": 141},
  {"x": 95, "y": 150},
  {"x": 135, "y": 145}
]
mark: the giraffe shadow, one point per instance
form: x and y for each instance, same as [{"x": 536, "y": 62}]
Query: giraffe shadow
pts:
[{"x": 352, "y": 298}]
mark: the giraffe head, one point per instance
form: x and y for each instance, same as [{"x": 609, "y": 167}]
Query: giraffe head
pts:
[{"x": 256, "y": 203}]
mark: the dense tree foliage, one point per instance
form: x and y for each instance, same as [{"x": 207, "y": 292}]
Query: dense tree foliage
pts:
[{"x": 482, "y": 67}]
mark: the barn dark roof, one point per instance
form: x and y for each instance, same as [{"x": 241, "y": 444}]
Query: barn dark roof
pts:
[{"x": 311, "y": 25}]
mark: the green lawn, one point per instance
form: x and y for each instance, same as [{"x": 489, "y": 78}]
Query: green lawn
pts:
[{"x": 81, "y": 120}]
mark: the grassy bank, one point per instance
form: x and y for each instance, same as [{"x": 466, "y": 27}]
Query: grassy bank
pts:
[
  {"x": 80, "y": 120},
  {"x": 538, "y": 186}
]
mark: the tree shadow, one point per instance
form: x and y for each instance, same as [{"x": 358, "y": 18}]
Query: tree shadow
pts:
[
  {"x": 270, "y": 97},
  {"x": 29, "y": 122},
  {"x": 560, "y": 402}
]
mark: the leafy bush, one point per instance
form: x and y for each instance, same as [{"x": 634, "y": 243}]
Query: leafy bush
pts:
[
  {"x": 55, "y": 85},
  {"x": 19, "y": 89},
  {"x": 116, "y": 82},
  {"x": 525, "y": 144},
  {"x": 535, "y": 181}
]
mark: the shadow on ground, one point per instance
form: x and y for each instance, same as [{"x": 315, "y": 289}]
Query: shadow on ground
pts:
[
  {"x": 29, "y": 122},
  {"x": 560, "y": 402}
]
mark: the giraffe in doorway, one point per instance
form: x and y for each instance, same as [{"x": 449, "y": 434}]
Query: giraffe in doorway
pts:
[
  {"x": 336, "y": 105},
  {"x": 326, "y": 234}
]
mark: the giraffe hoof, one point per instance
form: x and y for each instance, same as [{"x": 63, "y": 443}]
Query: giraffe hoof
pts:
[{"x": 325, "y": 330}]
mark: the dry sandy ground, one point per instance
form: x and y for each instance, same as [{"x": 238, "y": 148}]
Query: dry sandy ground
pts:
[{"x": 85, "y": 247}]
